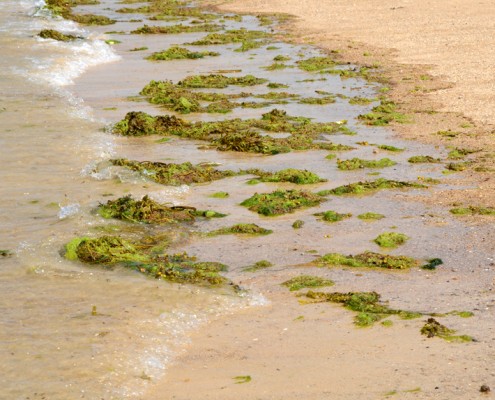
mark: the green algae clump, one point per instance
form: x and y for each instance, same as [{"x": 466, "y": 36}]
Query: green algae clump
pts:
[
  {"x": 138, "y": 123},
  {"x": 366, "y": 304},
  {"x": 370, "y": 186},
  {"x": 332, "y": 216},
  {"x": 297, "y": 176},
  {"x": 473, "y": 210},
  {"x": 244, "y": 229},
  {"x": 262, "y": 264},
  {"x": 149, "y": 211},
  {"x": 433, "y": 328},
  {"x": 219, "y": 81},
  {"x": 247, "y": 38},
  {"x": 298, "y": 224},
  {"x": 370, "y": 216},
  {"x": 175, "y": 29},
  {"x": 384, "y": 114},
  {"x": 145, "y": 256},
  {"x": 316, "y": 64},
  {"x": 56, "y": 35},
  {"x": 367, "y": 259},
  {"x": 389, "y": 148},
  {"x": 281, "y": 202},
  {"x": 357, "y": 163},
  {"x": 180, "y": 53},
  {"x": 174, "y": 174},
  {"x": 64, "y": 9},
  {"x": 423, "y": 160},
  {"x": 306, "y": 281},
  {"x": 390, "y": 239}
]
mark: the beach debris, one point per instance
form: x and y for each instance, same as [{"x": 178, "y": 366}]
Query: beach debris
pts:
[
  {"x": 332, "y": 216},
  {"x": 243, "y": 229}
]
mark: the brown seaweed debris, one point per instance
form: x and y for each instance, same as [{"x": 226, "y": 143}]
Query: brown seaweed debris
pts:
[{"x": 174, "y": 174}]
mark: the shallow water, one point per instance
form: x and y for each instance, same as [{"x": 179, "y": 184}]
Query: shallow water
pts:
[{"x": 55, "y": 100}]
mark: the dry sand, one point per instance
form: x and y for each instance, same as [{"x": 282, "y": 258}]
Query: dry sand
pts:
[{"x": 439, "y": 58}]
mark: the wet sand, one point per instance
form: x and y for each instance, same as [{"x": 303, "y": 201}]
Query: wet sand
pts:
[{"x": 431, "y": 55}]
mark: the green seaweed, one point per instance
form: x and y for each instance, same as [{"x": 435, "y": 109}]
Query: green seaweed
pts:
[
  {"x": 151, "y": 212},
  {"x": 145, "y": 256},
  {"x": 306, "y": 281},
  {"x": 390, "y": 239},
  {"x": 367, "y": 259},
  {"x": 367, "y": 304},
  {"x": 297, "y": 176},
  {"x": 281, "y": 202},
  {"x": 180, "y": 53},
  {"x": 473, "y": 210},
  {"x": 56, "y": 35},
  {"x": 175, "y": 29},
  {"x": 423, "y": 160},
  {"x": 257, "y": 266},
  {"x": 219, "y": 81},
  {"x": 361, "y": 101},
  {"x": 457, "y": 167},
  {"x": 389, "y": 148},
  {"x": 242, "y": 36},
  {"x": 370, "y": 216},
  {"x": 297, "y": 224},
  {"x": 244, "y": 229},
  {"x": 433, "y": 328},
  {"x": 242, "y": 379},
  {"x": 276, "y": 66},
  {"x": 370, "y": 186},
  {"x": 174, "y": 174},
  {"x": 357, "y": 163},
  {"x": 332, "y": 216},
  {"x": 220, "y": 195},
  {"x": 273, "y": 85},
  {"x": 459, "y": 153},
  {"x": 384, "y": 114},
  {"x": 316, "y": 64},
  {"x": 318, "y": 100},
  {"x": 5, "y": 253}
]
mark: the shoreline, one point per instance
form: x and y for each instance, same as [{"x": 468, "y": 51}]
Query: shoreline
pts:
[{"x": 418, "y": 89}]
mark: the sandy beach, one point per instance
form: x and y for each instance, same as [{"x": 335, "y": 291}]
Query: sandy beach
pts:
[{"x": 438, "y": 60}]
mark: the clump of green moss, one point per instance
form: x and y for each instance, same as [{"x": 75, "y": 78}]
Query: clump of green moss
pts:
[
  {"x": 390, "y": 239},
  {"x": 281, "y": 202},
  {"x": 457, "y": 167},
  {"x": 389, "y": 148},
  {"x": 384, "y": 114},
  {"x": 56, "y": 35},
  {"x": 317, "y": 100},
  {"x": 180, "y": 53},
  {"x": 276, "y": 66},
  {"x": 297, "y": 176},
  {"x": 297, "y": 224},
  {"x": 244, "y": 229},
  {"x": 458, "y": 153},
  {"x": 370, "y": 186},
  {"x": 247, "y": 38},
  {"x": 174, "y": 174},
  {"x": 332, "y": 216},
  {"x": 366, "y": 304},
  {"x": 176, "y": 29},
  {"x": 433, "y": 328},
  {"x": 371, "y": 216},
  {"x": 473, "y": 210},
  {"x": 145, "y": 256},
  {"x": 307, "y": 281},
  {"x": 273, "y": 85},
  {"x": 423, "y": 160},
  {"x": 149, "y": 211},
  {"x": 258, "y": 265},
  {"x": 367, "y": 259},
  {"x": 357, "y": 163}
]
